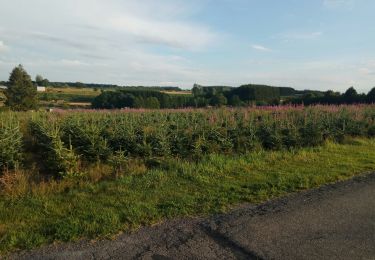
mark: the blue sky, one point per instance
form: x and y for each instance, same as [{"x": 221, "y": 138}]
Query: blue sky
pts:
[{"x": 306, "y": 44}]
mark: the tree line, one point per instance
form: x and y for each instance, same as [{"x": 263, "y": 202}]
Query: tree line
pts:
[
  {"x": 215, "y": 96},
  {"x": 350, "y": 96},
  {"x": 140, "y": 98},
  {"x": 21, "y": 94}
]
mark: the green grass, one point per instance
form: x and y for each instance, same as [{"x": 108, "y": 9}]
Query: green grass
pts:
[
  {"x": 78, "y": 91},
  {"x": 71, "y": 209}
]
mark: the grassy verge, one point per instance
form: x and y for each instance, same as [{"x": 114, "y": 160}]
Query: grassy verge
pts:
[{"x": 71, "y": 209}]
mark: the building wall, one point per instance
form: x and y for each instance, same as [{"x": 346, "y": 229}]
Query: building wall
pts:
[{"x": 41, "y": 89}]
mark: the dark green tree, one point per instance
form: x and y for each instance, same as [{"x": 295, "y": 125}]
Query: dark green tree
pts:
[
  {"x": 40, "y": 81},
  {"x": 371, "y": 96},
  {"x": 351, "y": 95},
  {"x": 45, "y": 83},
  {"x": 124, "y": 100},
  {"x": 165, "y": 101},
  {"x": 329, "y": 93},
  {"x": 218, "y": 100},
  {"x": 235, "y": 101},
  {"x": 197, "y": 90},
  {"x": 21, "y": 93},
  {"x": 200, "y": 102},
  {"x": 152, "y": 102},
  {"x": 139, "y": 102}
]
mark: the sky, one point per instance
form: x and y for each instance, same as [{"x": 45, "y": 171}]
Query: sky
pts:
[{"x": 305, "y": 44}]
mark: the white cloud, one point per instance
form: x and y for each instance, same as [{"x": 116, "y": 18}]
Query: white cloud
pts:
[
  {"x": 260, "y": 48},
  {"x": 338, "y": 74},
  {"x": 73, "y": 63},
  {"x": 148, "y": 42},
  {"x": 174, "y": 34},
  {"x": 3, "y": 47},
  {"x": 157, "y": 23},
  {"x": 114, "y": 41}
]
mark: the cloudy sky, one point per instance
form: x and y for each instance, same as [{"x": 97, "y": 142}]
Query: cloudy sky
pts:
[{"x": 316, "y": 44}]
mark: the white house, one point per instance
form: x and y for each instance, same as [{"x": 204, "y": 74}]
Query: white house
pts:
[
  {"x": 3, "y": 87},
  {"x": 41, "y": 89}
]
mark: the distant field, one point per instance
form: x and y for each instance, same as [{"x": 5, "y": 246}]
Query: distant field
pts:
[
  {"x": 67, "y": 97},
  {"x": 83, "y": 104},
  {"x": 93, "y": 92},
  {"x": 185, "y": 92},
  {"x": 2, "y": 98},
  {"x": 76, "y": 91},
  {"x": 63, "y": 104}
]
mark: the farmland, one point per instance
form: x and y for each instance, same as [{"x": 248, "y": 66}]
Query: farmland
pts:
[
  {"x": 82, "y": 97},
  {"x": 63, "y": 139},
  {"x": 67, "y": 97},
  {"x": 2, "y": 98},
  {"x": 68, "y": 175}
]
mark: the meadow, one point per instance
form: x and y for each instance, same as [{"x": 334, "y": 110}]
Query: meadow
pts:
[
  {"x": 68, "y": 175},
  {"x": 67, "y": 97}
]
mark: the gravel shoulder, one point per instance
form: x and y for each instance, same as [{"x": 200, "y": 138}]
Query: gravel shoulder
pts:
[{"x": 336, "y": 221}]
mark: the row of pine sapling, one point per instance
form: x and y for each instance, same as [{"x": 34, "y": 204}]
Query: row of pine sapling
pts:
[
  {"x": 10, "y": 142},
  {"x": 55, "y": 155},
  {"x": 68, "y": 142}
]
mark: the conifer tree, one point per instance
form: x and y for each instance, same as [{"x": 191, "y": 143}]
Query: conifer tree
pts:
[{"x": 21, "y": 94}]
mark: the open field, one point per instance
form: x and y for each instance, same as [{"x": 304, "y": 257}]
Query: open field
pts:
[
  {"x": 69, "y": 175},
  {"x": 63, "y": 97},
  {"x": 77, "y": 91},
  {"x": 184, "y": 92},
  {"x": 2, "y": 98}
]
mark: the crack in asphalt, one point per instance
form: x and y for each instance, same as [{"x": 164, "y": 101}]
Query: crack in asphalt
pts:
[{"x": 225, "y": 242}]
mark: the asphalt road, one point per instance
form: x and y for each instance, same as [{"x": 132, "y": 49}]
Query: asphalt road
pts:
[{"x": 333, "y": 222}]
